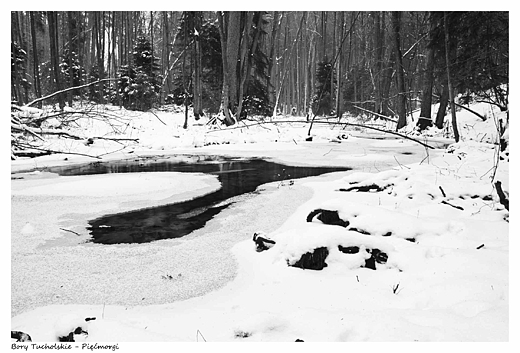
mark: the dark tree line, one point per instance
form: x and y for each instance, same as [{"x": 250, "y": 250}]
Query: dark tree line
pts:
[{"x": 260, "y": 63}]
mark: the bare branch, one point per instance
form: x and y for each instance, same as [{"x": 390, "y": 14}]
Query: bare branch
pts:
[
  {"x": 66, "y": 90},
  {"x": 333, "y": 123},
  {"x": 376, "y": 114}
]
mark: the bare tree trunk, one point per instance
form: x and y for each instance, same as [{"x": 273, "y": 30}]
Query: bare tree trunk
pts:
[
  {"x": 222, "y": 21},
  {"x": 288, "y": 59},
  {"x": 36, "y": 71},
  {"x": 443, "y": 104},
  {"x": 277, "y": 18},
  {"x": 197, "y": 58},
  {"x": 53, "y": 35},
  {"x": 339, "y": 66},
  {"x": 426, "y": 102},
  {"x": 401, "y": 92},
  {"x": 450, "y": 87},
  {"x": 71, "y": 50},
  {"x": 244, "y": 62}
]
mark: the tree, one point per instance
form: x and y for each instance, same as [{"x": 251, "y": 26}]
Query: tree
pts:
[
  {"x": 322, "y": 100},
  {"x": 36, "y": 71},
  {"x": 450, "y": 87},
  {"x": 53, "y": 34},
  {"x": 426, "y": 102},
  {"x": 401, "y": 92},
  {"x": 18, "y": 79},
  {"x": 197, "y": 61},
  {"x": 139, "y": 83}
]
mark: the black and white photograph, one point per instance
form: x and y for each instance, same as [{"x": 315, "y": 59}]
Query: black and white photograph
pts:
[{"x": 259, "y": 176}]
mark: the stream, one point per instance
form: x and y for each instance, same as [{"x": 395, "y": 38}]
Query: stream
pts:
[{"x": 237, "y": 176}]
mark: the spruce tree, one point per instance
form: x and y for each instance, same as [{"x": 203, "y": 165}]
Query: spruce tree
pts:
[
  {"x": 322, "y": 99},
  {"x": 139, "y": 84}
]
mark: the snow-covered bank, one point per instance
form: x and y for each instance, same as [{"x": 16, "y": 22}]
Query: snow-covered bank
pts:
[
  {"x": 450, "y": 284},
  {"x": 440, "y": 288}
]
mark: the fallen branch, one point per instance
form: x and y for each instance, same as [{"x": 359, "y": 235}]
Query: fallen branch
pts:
[
  {"x": 466, "y": 108},
  {"x": 376, "y": 114},
  {"x": 332, "y": 123},
  {"x": 23, "y": 127},
  {"x": 68, "y": 89},
  {"x": 37, "y": 132},
  {"x": 454, "y": 206},
  {"x": 67, "y": 230},
  {"x": 57, "y": 152}
]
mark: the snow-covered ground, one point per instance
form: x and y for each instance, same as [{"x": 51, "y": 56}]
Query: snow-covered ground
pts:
[{"x": 437, "y": 218}]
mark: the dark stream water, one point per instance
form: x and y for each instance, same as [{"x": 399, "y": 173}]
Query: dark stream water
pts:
[{"x": 237, "y": 176}]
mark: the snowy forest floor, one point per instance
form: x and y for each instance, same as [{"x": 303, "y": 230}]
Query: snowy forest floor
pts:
[{"x": 450, "y": 283}]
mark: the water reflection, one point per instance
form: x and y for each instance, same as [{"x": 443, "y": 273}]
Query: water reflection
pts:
[{"x": 176, "y": 220}]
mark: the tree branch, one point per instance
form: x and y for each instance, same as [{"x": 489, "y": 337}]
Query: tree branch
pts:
[
  {"x": 333, "y": 123},
  {"x": 68, "y": 89},
  {"x": 376, "y": 114}
]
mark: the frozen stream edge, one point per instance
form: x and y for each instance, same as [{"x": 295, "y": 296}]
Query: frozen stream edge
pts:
[
  {"x": 60, "y": 271},
  {"x": 132, "y": 274}
]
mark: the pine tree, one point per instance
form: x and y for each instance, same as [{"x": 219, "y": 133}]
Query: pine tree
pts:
[
  {"x": 18, "y": 75},
  {"x": 139, "y": 84},
  {"x": 71, "y": 69},
  {"x": 322, "y": 100}
]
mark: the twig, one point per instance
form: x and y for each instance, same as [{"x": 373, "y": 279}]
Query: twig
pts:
[
  {"x": 442, "y": 190},
  {"x": 151, "y": 111},
  {"x": 67, "y": 230},
  {"x": 200, "y": 333},
  {"x": 401, "y": 164},
  {"x": 104, "y": 154},
  {"x": 454, "y": 206}
]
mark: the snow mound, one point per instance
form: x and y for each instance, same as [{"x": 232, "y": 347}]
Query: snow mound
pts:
[{"x": 379, "y": 221}]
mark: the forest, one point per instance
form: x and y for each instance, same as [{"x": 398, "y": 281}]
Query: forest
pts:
[
  {"x": 166, "y": 185},
  {"x": 240, "y": 64}
]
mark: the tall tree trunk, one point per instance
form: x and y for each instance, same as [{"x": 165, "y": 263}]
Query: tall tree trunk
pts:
[
  {"x": 244, "y": 62},
  {"x": 378, "y": 42},
  {"x": 443, "y": 104},
  {"x": 450, "y": 86},
  {"x": 36, "y": 62},
  {"x": 197, "y": 59},
  {"x": 53, "y": 35},
  {"x": 71, "y": 50},
  {"x": 232, "y": 55},
  {"x": 222, "y": 21},
  {"x": 165, "y": 55},
  {"x": 339, "y": 77},
  {"x": 426, "y": 102},
  {"x": 288, "y": 60},
  {"x": 277, "y": 18},
  {"x": 401, "y": 93}
]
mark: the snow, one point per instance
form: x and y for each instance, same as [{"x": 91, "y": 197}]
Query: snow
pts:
[
  {"x": 452, "y": 284},
  {"x": 156, "y": 186}
]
